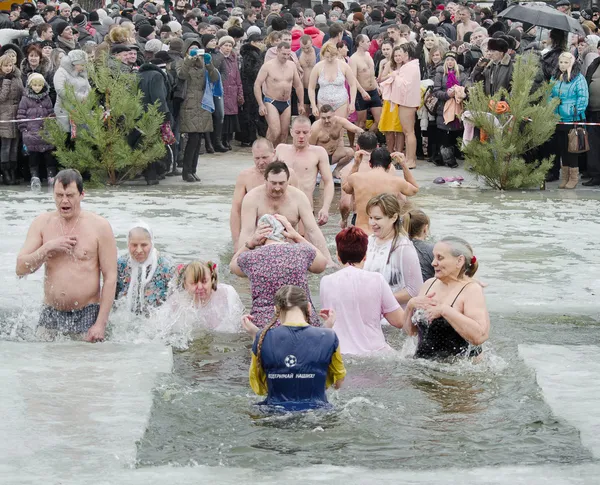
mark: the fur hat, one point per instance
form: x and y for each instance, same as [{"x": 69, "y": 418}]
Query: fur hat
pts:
[
  {"x": 154, "y": 45},
  {"x": 499, "y": 45},
  {"x": 226, "y": 38},
  {"x": 515, "y": 34},
  {"x": 175, "y": 26},
  {"x": 496, "y": 27},
  {"x": 253, "y": 29},
  {"x": 35, "y": 76},
  {"x": 77, "y": 57}
]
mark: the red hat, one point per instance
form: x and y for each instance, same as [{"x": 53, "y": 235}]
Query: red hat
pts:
[{"x": 440, "y": 7}]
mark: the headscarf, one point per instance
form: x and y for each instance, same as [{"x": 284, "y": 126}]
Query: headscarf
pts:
[
  {"x": 141, "y": 273},
  {"x": 276, "y": 226}
]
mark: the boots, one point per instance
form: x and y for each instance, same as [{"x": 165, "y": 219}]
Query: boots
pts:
[
  {"x": 6, "y": 179},
  {"x": 573, "y": 178},
  {"x": 225, "y": 141},
  {"x": 217, "y": 135},
  {"x": 564, "y": 171},
  {"x": 14, "y": 178},
  {"x": 208, "y": 143},
  {"x": 35, "y": 182}
]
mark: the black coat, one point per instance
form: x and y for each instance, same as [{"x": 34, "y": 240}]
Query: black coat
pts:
[
  {"x": 493, "y": 76},
  {"x": 154, "y": 84},
  {"x": 550, "y": 63},
  {"x": 252, "y": 61}
]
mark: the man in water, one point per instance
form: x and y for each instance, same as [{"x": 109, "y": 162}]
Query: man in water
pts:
[
  {"x": 77, "y": 247},
  {"x": 368, "y": 97},
  {"x": 378, "y": 180},
  {"x": 263, "y": 154},
  {"x": 308, "y": 56},
  {"x": 328, "y": 132},
  {"x": 277, "y": 197},
  {"x": 308, "y": 161},
  {"x": 278, "y": 76}
]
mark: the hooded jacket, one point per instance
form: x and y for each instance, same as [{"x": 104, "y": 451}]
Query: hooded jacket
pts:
[
  {"x": 573, "y": 95},
  {"x": 193, "y": 118},
  {"x": 251, "y": 64},
  {"x": 155, "y": 86},
  {"x": 11, "y": 89},
  {"x": 34, "y": 105},
  {"x": 316, "y": 35},
  {"x": 65, "y": 76}
]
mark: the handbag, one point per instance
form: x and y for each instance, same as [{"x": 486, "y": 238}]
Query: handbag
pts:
[
  {"x": 578, "y": 141},
  {"x": 166, "y": 133},
  {"x": 430, "y": 102}
]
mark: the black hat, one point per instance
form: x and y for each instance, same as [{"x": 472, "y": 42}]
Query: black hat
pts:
[
  {"x": 375, "y": 15},
  {"x": 151, "y": 8},
  {"x": 60, "y": 27},
  {"x": 80, "y": 20},
  {"x": 145, "y": 30},
  {"x": 515, "y": 34},
  {"x": 47, "y": 43},
  {"x": 255, "y": 37},
  {"x": 496, "y": 27},
  {"x": 49, "y": 8},
  {"x": 206, "y": 38},
  {"x": 163, "y": 57},
  {"x": 389, "y": 15},
  {"x": 499, "y": 45},
  {"x": 118, "y": 48},
  {"x": 452, "y": 54},
  {"x": 587, "y": 14},
  {"x": 563, "y": 3},
  {"x": 94, "y": 17},
  {"x": 512, "y": 43}
]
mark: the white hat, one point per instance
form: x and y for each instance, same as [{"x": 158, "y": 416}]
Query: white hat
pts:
[
  {"x": 64, "y": 6},
  {"x": 175, "y": 26}
]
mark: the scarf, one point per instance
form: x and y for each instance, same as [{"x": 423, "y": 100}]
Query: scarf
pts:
[
  {"x": 141, "y": 273},
  {"x": 69, "y": 43},
  {"x": 451, "y": 80}
]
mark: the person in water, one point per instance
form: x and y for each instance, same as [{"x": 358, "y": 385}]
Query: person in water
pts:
[
  {"x": 143, "y": 275},
  {"x": 360, "y": 298},
  {"x": 418, "y": 231},
  {"x": 201, "y": 302},
  {"x": 449, "y": 315},
  {"x": 295, "y": 363}
]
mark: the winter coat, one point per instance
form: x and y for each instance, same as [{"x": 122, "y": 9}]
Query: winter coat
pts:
[
  {"x": 573, "y": 95},
  {"x": 34, "y": 105},
  {"x": 441, "y": 93},
  {"x": 194, "y": 119},
  {"x": 9, "y": 35},
  {"x": 155, "y": 86},
  {"x": 65, "y": 76},
  {"x": 355, "y": 30},
  {"x": 372, "y": 30},
  {"x": 179, "y": 86},
  {"x": 101, "y": 29},
  {"x": 251, "y": 64},
  {"x": 447, "y": 30},
  {"x": 14, "y": 47},
  {"x": 316, "y": 35},
  {"x": 494, "y": 75},
  {"x": 470, "y": 58},
  {"x": 11, "y": 89},
  {"x": 550, "y": 63},
  {"x": 43, "y": 68},
  {"x": 232, "y": 84}
]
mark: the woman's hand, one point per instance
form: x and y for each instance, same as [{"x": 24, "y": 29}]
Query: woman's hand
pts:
[
  {"x": 420, "y": 301},
  {"x": 315, "y": 111},
  {"x": 289, "y": 231},
  {"x": 451, "y": 92},
  {"x": 351, "y": 108},
  {"x": 249, "y": 326},
  {"x": 328, "y": 317},
  {"x": 240, "y": 100},
  {"x": 435, "y": 310},
  {"x": 260, "y": 235}
]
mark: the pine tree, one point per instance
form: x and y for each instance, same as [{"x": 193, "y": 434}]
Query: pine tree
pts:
[
  {"x": 106, "y": 121},
  {"x": 529, "y": 122}
]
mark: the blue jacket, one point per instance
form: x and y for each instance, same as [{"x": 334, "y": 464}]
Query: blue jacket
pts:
[{"x": 574, "y": 97}]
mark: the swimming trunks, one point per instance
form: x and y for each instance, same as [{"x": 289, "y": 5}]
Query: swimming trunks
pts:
[
  {"x": 74, "y": 321},
  {"x": 281, "y": 106},
  {"x": 333, "y": 92},
  {"x": 353, "y": 219},
  {"x": 374, "y": 102},
  {"x": 438, "y": 340}
]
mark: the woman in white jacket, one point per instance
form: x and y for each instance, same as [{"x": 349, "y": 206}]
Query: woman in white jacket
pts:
[{"x": 72, "y": 71}]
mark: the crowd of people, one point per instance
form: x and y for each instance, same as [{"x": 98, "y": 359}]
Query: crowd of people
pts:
[{"x": 222, "y": 72}]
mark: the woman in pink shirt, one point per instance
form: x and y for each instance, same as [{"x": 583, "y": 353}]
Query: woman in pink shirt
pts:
[{"x": 360, "y": 298}]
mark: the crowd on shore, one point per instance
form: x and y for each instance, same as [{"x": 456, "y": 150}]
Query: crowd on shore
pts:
[{"x": 224, "y": 74}]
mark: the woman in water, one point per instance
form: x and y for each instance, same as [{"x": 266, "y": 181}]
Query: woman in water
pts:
[
  {"x": 273, "y": 262},
  {"x": 390, "y": 251},
  {"x": 360, "y": 298},
  {"x": 331, "y": 74},
  {"x": 418, "y": 230},
  {"x": 295, "y": 363},
  {"x": 449, "y": 315},
  {"x": 143, "y": 275},
  {"x": 201, "y": 302}
]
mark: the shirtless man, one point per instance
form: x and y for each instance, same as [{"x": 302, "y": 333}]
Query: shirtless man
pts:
[
  {"x": 76, "y": 246},
  {"x": 277, "y": 197},
  {"x": 278, "y": 76},
  {"x": 363, "y": 69},
  {"x": 366, "y": 185},
  {"x": 263, "y": 153},
  {"x": 308, "y": 161},
  {"x": 466, "y": 24},
  {"x": 308, "y": 57},
  {"x": 328, "y": 132}
]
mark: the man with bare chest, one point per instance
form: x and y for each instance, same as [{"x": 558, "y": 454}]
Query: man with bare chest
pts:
[
  {"x": 308, "y": 58},
  {"x": 77, "y": 247},
  {"x": 363, "y": 69},
  {"x": 379, "y": 180},
  {"x": 278, "y": 76},
  {"x": 308, "y": 161},
  {"x": 328, "y": 132},
  {"x": 277, "y": 197},
  {"x": 263, "y": 154}
]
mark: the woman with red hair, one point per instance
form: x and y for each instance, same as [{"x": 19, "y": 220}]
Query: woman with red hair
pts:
[{"x": 360, "y": 298}]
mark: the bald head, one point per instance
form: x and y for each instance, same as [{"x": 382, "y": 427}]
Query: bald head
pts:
[{"x": 263, "y": 153}]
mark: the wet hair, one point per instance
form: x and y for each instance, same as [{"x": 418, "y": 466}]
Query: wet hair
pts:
[
  {"x": 286, "y": 298},
  {"x": 283, "y": 45},
  {"x": 198, "y": 270},
  {"x": 380, "y": 157},
  {"x": 360, "y": 38},
  {"x": 263, "y": 141},
  {"x": 300, "y": 119},
  {"x": 335, "y": 30},
  {"x": 305, "y": 38},
  {"x": 417, "y": 220},
  {"x": 390, "y": 206},
  {"x": 352, "y": 245},
  {"x": 67, "y": 176},
  {"x": 460, "y": 247},
  {"x": 276, "y": 168},
  {"x": 367, "y": 141},
  {"x": 326, "y": 108}
]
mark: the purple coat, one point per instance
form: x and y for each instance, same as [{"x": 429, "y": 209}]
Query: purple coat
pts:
[
  {"x": 232, "y": 84},
  {"x": 34, "y": 106}
]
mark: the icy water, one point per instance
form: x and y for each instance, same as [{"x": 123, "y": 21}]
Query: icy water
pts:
[{"x": 537, "y": 252}]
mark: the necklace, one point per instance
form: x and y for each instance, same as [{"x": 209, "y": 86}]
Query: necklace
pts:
[{"x": 62, "y": 228}]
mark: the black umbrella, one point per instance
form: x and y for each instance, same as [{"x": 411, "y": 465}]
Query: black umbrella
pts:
[{"x": 543, "y": 17}]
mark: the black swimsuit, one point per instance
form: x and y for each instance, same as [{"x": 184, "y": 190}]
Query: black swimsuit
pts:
[{"x": 439, "y": 340}]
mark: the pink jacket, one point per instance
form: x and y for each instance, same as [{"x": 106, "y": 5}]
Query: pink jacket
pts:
[{"x": 403, "y": 87}]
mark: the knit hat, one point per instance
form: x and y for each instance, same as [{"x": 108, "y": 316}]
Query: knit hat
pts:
[
  {"x": 206, "y": 38},
  {"x": 175, "y": 26},
  {"x": 320, "y": 19},
  {"x": 47, "y": 43},
  {"x": 35, "y": 76},
  {"x": 164, "y": 57},
  {"x": 389, "y": 15},
  {"x": 94, "y": 17},
  {"x": 80, "y": 20},
  {"x": 176, "y": 45},
  {"x": 145, "y": 30},
  {"x": 154, "y": 45},
  {"x": 253, "y": 29},
  {"x": 60, "y": 27},
  {"x": 64, "y": 6},
  {"x": 237, "y": 12},
  {"x": 375, "y": 15},
  {"x": 226, "y": 38},
  {"x": 499, "y": 45},
  {"x": 77, "y": 57}
]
